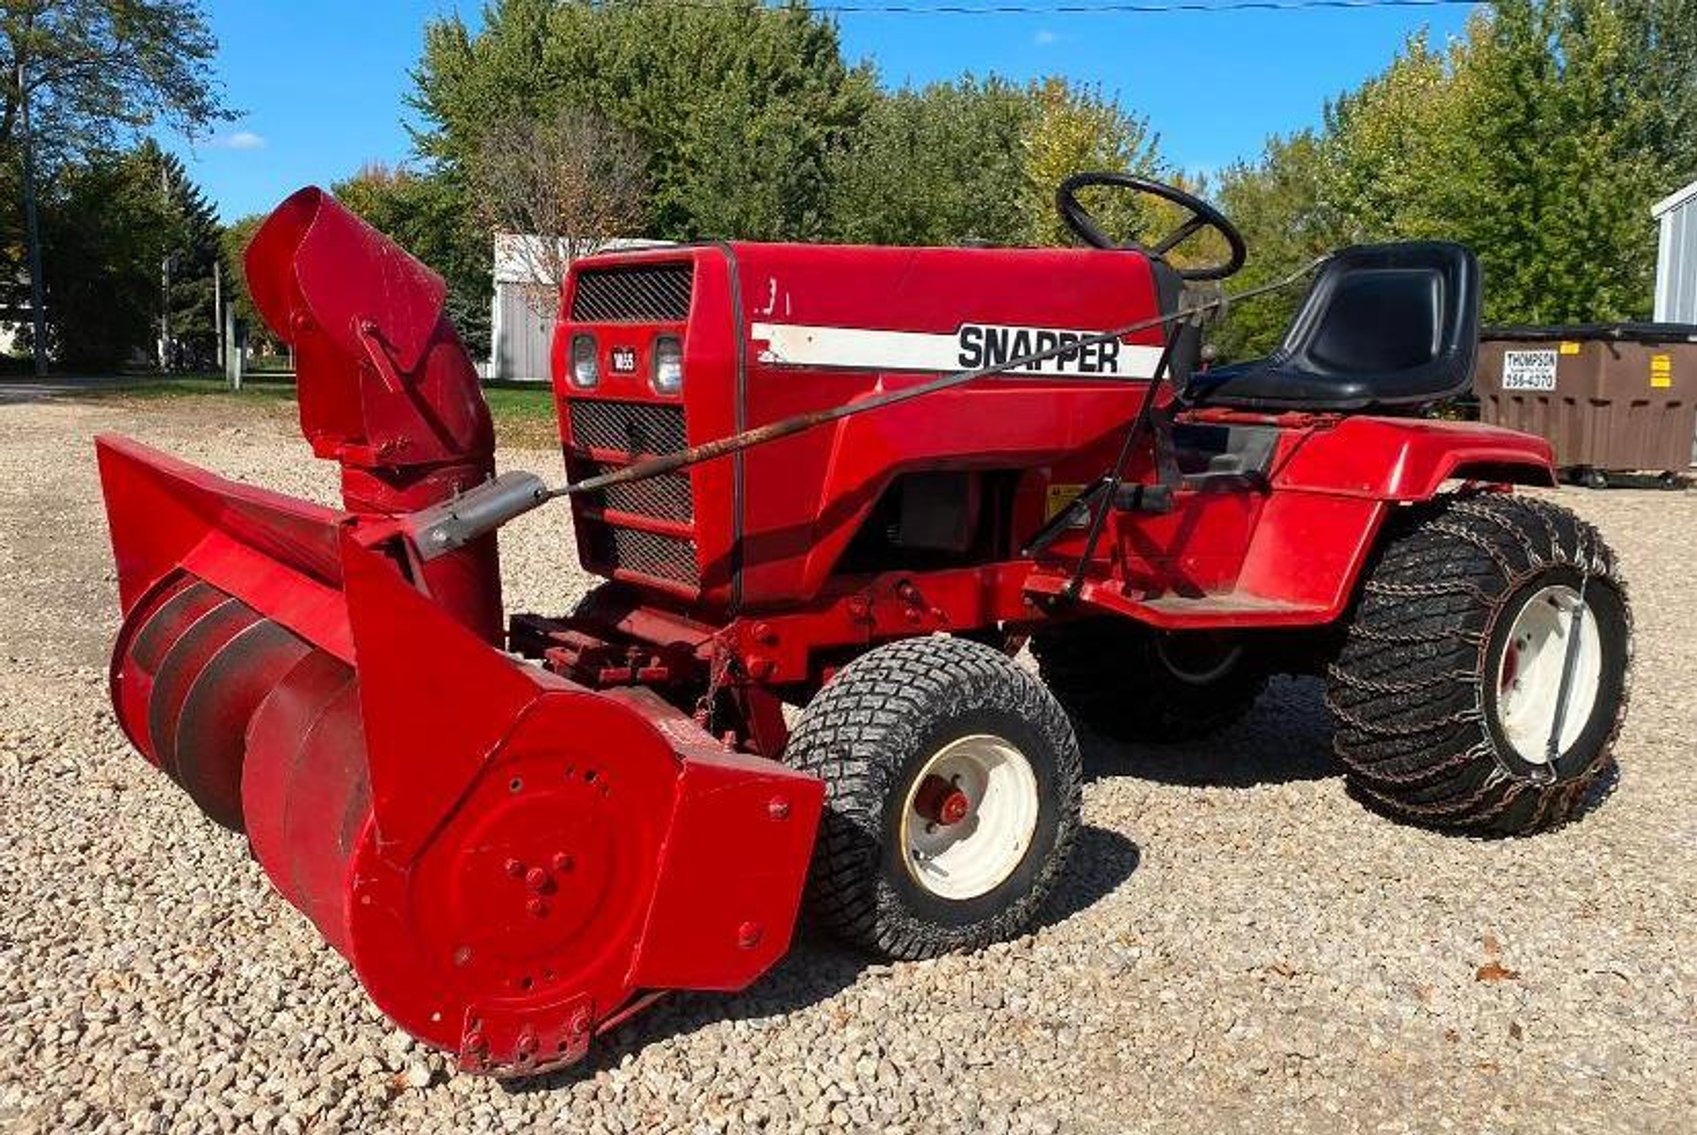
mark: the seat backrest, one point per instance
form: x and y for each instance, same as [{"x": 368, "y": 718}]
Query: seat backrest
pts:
[{"x": 1401, "y": 320}]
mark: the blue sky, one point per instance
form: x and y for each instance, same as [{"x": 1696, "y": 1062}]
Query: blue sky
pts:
[{"x": 323, "y": 82}]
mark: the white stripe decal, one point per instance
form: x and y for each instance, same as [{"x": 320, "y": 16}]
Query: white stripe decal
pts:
[{"x": 971, "y": 346}]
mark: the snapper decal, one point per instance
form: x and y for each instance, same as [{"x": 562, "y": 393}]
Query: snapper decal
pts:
[{"x": 971, "y": 346}]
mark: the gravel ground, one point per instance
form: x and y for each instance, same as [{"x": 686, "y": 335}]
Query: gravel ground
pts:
[{"x": 1238, "y": 945}]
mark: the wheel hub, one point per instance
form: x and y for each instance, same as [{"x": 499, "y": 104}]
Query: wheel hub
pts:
[
  {"x": 1531, "y": 698},
  {"x": 969, "y": 817},
  {"x": 940, "y": 801}
]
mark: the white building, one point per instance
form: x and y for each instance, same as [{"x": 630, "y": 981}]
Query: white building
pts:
[
  {"x": 1676, "y": 262},
  {"x": 522, "y": 318}
]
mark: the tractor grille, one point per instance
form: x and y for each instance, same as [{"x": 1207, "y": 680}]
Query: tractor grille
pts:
[
  {"x": 636, "y": 429},
  {"x": 666, "y": 497},
  {"x": 627, "y": 427},
  {"x": 664, "y": 557},
  {"x": 633, "y": 293}
]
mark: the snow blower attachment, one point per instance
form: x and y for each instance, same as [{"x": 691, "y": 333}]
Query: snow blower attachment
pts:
[
  {"x": 854, "y": 481},
  {"x": 508, "y": 860}
]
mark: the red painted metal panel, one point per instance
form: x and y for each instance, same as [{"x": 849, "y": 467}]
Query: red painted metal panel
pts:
[{"x": 1408, "y": 459}]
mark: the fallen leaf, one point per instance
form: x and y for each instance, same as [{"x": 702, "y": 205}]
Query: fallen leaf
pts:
[
  {"x": 1493, "y": 948},
  {"x": 1494, "y": 970}
]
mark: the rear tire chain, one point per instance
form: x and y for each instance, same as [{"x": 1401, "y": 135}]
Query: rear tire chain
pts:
[
  {"x": 1408, "y": 755},
  {"x": 859, "y": 733}
]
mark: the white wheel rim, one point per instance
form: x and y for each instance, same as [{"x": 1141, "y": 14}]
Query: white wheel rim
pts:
[
  {"x": 1529, "y": 673},
  {"x": 975, "y": 855}
]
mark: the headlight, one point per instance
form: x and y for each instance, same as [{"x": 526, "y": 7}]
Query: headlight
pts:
[
  {"x": 586, "y": 368},
  {"x": 668, "y": 365}
]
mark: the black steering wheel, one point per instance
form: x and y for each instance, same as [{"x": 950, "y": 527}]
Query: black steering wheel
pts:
[{"x": 1202, "y": 216}]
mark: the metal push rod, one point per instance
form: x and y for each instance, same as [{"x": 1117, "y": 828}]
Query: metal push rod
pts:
[
  {"x": 786, "y": 427},
  {"x": 454, "y": 523}
]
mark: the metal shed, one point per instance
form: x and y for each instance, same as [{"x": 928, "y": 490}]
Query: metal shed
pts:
[
  {"x": 520, "y": 335},
  {"x": 1676, "y": 260}
]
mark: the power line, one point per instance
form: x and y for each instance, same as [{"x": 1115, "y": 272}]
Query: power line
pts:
[{"x": 1110, "y": 7}]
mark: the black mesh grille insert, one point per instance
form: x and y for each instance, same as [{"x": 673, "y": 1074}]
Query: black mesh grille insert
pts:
[
  {"x": 665, "y": 497},
  {"x": 638, "y": 429},
  {"x": 633, "y": 293},
  {"x": 664, "y": 557},
  {"x": 627, "y": 427}
]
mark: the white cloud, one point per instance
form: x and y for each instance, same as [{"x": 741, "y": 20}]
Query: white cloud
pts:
[
  {"x": 243, "y": 140},
  {"x": 1045, "y": 37}
]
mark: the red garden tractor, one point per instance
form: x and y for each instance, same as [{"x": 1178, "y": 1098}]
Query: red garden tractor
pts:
[{"x": 831, "y": 492}]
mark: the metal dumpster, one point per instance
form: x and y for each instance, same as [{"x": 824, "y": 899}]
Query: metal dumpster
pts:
[{"x": 1611, "y": 397}]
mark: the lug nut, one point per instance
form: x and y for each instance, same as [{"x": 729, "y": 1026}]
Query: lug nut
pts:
[
  {"x": 536, "y": 907},
  {"x": 563, "y": 862},
  {"x": 748, "y": 935},
  {"x": 515, "y": 868},
  {"x": 536, "y": 878},
  {"x": 778, "y": 808}
]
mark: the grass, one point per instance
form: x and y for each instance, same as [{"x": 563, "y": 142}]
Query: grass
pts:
[
  {"x": 524, "y": 414},
  {"x": 523, "y": 411},
  {"x": 262, "y": 388}
]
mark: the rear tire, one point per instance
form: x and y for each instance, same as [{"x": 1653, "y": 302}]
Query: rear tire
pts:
[
  {"x": 1133, "y": 683},
  {"x": 911, "y": 713},
  {"x": 1445, "y": 691}
]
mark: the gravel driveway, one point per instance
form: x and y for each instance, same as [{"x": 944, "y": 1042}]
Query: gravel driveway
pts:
[{"x": 1238, "y": 945}]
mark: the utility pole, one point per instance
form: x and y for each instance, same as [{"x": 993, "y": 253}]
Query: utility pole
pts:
[
  {"x": 164, "y": 282},
  {"x": 218, "y": 307},
  {"x": 32, "y": 229}
]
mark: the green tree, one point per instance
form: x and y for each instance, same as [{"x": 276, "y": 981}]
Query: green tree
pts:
[
  {"x": 981, "y": 158},
  {"x": 1541, "y": 138},
  {"x": 81, "y": 75},
  {"x": 937, "y": 165},
  {"x": 1660, "y": 55},
  {"x": 1559, "y": 183},
  {"x": 96, "y": 68},
  {"x": 106, "y": 228},
  {"x": 1284, "y": 208},
  {"x": 738, "y": 105},
  {"x": 193, "y": 257},
  {"x": 1071, "y": 129}
]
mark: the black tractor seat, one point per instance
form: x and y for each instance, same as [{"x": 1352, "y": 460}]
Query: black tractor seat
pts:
[{"x": 1383, "y": 327}]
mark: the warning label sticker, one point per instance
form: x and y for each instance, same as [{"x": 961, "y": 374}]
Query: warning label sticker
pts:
[
  {"x": 1661, "y": 371},
  {"x": 1529, "y": 370}
]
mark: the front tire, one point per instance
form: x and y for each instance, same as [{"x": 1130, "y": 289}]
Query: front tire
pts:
[
  {"x": 952, "y": 795},
  {"x": 1447, "y": 689}
]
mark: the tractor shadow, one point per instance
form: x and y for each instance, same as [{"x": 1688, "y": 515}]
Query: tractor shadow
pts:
[
  {"x": 1287, "y": 737},
  {"x": 818, "y": 968}
]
